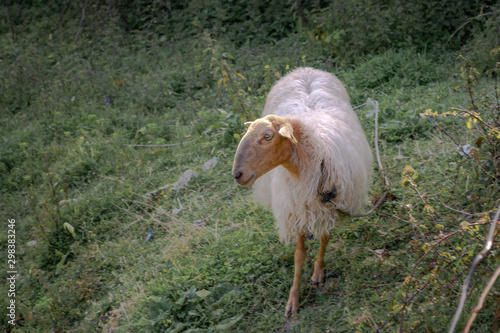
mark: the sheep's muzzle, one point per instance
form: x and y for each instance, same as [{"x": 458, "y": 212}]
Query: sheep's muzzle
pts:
[
  {"x": 245, "y": 181},
  {"x": 242, "y": 173}
]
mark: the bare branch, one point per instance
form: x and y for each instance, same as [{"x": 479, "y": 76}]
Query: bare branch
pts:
[
  {"x": 460, "y": 147},
  {"x": 477, "y": 259},
  {"x": 462, "y": 211},
  {"x": 448, "y": 135},
  {"x": 359, "y": 106},
  {"x": 469, "y": 21},
  {"x": 481, "y": 299},
  {"x": 377, "y": 205},
  {"x": 379, "y": 161},
  {"x": 474, "y": 116}
]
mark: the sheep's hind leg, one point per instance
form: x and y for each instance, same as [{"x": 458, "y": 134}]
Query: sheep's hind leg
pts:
[
  {"x": 300, "y": 256},
  {"x": 318, "y": 276}
]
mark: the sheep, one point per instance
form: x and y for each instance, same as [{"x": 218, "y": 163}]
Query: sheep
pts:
[{"x": 309, "y": 162}]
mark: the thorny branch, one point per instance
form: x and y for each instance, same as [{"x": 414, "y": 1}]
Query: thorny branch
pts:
[
  {"x": 448, "y": 135},
  {"x": 459, "y": 147},
  {"x": 475, "y": 116},
  {"x": 408, "y": 297}
]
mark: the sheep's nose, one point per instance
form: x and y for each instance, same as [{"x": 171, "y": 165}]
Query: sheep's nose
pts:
[{"x": 237, "y": 175}]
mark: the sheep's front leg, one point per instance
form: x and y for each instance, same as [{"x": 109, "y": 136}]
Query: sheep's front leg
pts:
[
  {"x": 300, "y": 256},
  {"x": 319, "y": 266}
]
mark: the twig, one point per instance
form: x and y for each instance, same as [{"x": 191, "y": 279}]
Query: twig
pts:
[
  {"x": 448, "y": 135},
  {"x": 469, "y": 21},
  {"x": 496, "y": 320},
  {"x": 461, "y": 211},
  {"x": 308, "y": 294},
  {"x": 377, "y": 205},
  {"x": 455, "y": 278},
  {"x": 474, "y": 116},
  {"x": 379, "y": 328},
  {"x": 445, "y": 238},
  {"x": 253, "y": 308},
  {"x": 81, "y": 21},
  {"x": 412, "y": 222},
  {"x": 477, "y": 259},
  {"x": 126, "y": 315},
  {"x": 379, "y": 161},
  {"x": 491, "y": 94},
  {"x": 459, "y": 147},
  {"x": 359, "y": 106},
  {"x": 421, "y": 196},
  {"x": 481, "y": 299},
  {"x": 156, "y": 191},
  {"x": 432, "y": 249},
  {"x": 377, "y": 151}
]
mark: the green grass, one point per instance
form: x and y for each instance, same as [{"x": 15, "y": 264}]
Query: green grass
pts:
[{"x": 72, "y": 98}]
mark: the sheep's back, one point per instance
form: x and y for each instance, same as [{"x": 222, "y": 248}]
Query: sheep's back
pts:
[{"x": 306, "y": 90}]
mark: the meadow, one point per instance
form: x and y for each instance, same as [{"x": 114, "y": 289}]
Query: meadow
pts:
[{"x": 105, "y": 105}]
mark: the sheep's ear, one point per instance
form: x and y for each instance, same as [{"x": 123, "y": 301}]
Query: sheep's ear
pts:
[
  {"x": 248, "y": 123},
  {"x": 286, "y": 130}
]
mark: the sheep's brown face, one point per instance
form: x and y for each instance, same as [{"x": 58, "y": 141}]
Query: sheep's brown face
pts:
[{"x": 267, "y": 144}]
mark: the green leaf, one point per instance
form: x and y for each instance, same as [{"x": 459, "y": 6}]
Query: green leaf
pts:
[
  {"x": 70, "y": 228},
  {"x": 193, "y": 313},
  {"x": 203, "y": 293},
  {"x": 216, "y": 314},
  {"x": 181, "y": 300},
  {"x": 228, "y": 323},
  {"x": 178, "y": 328}
]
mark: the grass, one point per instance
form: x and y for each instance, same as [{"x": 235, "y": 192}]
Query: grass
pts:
[{"x": 71, "y": 100}]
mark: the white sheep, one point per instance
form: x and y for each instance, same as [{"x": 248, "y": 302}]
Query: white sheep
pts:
[{"x": 308, "y": 161}]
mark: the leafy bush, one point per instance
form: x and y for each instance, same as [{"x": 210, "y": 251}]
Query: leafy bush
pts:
[
  {"x": 361, "y": 27},
  {"x": 240, "y": 21},
  {"x": 196, "y": 309},
  {"x": 481, "y": 118},
  {"x": 395, "y": 69},
  {"x": 483, "y": 49}
]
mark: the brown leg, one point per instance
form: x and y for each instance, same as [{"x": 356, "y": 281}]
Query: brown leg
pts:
[
  {"x": 300, "y": 256},
  {"x": 319, "y": 266}
]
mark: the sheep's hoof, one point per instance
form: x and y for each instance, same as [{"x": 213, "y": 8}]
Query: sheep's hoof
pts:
[
  {"x": 291, "y": 310},
  {"x": 292, "y": 307},
  {"x": 318, "y": 276}
]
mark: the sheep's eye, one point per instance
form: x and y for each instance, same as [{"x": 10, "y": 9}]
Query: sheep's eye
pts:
[{"x": 268, "y": 136}]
